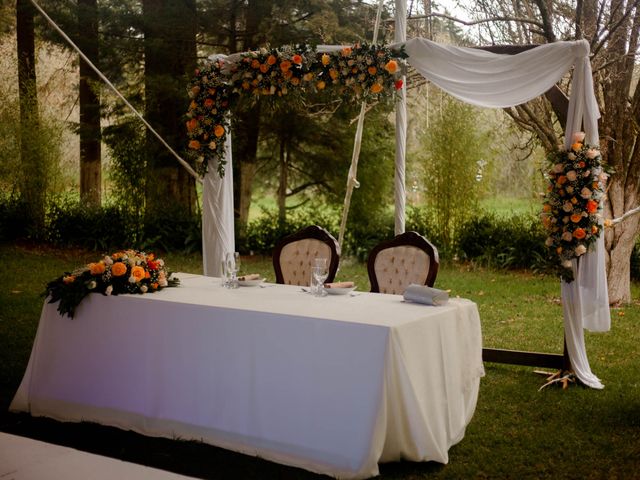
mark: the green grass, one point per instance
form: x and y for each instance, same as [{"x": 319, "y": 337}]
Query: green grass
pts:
[
  {"x": 516, "y": 432},
  {"x": 509, "y": 206}
]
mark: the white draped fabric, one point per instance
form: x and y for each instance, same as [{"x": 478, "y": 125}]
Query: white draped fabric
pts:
[
  {"x": 493, "y": 80},
  {"x": 217, "y": 217},
  {"x": 400, "y": 193}
]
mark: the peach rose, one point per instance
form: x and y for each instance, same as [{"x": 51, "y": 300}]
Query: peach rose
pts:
[
  {"x": 376, "y": 88},
  {"x": 320, "y": 85},
  {"x": 68, "y": 279},
  {"x": 372, "y": 70},
  {"x": 325, "y": 59},
  {"x": 285, "y": 65},
  {"x": 194, "y": 145},
  {"x": 576, "y": 217},
  {"x": 271, "y": 59},
  {"x": 297, "y": 59},
  {"x": 218, "y": 130},
  {"x": 578, "y": 137}
]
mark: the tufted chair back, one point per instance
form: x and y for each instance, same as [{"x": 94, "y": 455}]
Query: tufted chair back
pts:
[
  {"x": 293, "y": 256},
  {"x": 395, "y": 264}
]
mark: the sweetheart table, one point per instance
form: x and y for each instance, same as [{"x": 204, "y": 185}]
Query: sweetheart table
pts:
[{"x": 330, "y": 384}]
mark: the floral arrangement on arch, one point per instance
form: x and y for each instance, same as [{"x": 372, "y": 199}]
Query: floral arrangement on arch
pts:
[
  {"x": 356, "y": 73},
  {"x": 127, "y": 271},
  {"x": 571, "y": 212}
]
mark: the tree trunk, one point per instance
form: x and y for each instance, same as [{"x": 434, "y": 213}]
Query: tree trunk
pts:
[
  {"x": 34, "y": 175},
  {"x": 170, "y": 56},
  {"x": 90, "y": 134}
]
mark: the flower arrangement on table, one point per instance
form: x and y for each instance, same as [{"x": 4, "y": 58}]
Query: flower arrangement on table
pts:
[
  {"x": 356, "y": 73},
  {"x": 127, "y": 271},
  {"x": 571, "y": 212}
]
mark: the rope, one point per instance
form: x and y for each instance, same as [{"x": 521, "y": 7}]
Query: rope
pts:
[
  {"x": 116, "y": 91},
  {"x": 615, "y": 221},
  {"x": 352, "y": 181}
]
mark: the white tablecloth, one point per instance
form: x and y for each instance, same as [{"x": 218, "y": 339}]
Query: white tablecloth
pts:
[{"x": 333, "y": 385}]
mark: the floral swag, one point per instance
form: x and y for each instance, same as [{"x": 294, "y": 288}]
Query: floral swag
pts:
[
  {"x": 572, "y": 212},
  {"x": 362, "y": 72},
  {"x": 128, "y": 271}
]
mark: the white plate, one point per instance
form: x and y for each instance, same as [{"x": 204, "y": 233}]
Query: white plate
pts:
[
  {"x": 339, "y": 291},
  {"x": 250, "y": 283}
]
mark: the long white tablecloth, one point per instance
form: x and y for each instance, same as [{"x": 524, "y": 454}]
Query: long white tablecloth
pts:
[{"x": 333, "y": 385}]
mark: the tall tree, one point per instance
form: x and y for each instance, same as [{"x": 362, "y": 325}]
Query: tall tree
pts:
[
  {"x": 169, "y": 57},
  {"x": 90, "y": 133},
  {"x": 33, "y": 175}
]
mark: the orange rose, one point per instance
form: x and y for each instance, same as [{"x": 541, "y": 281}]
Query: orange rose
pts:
[
  {"x": 285, "y": 65},
  {"x": 288, "y": 74},
  {"x": 372, "y": 70},
  {"x": 376, "y": 88},
  {"x": 391, "y": 66},
  {"x": 154, "y": 285},
  {"x": 218, "y": 131},
  {"x": 562, "y": 179},
  {"x": 579, "y": 233},
  {"x": 333, "y": 74},
  {"x": 594, "y": 229},
  {"x": 576, "y": 217},
  {"x": 325, "y": 59},
  {"x": 194, "y": 145},
  {"x": 68, "y": 279},
  {"x": 137, "y": 272},
  {"x": 97, "y": 268},
  {"x": 118, "y": 269},
  {"x": 592, "y": 206},
  {"x": 255, "y": 63},
  {"x": 208, "y": 103},
  {"x": 192, "y": 125},
  {"x": 264, "y": 68},
  {"x": 546, "y": 207},
  {"x": 297, "y": 59},
  {"x": 320, "y": 85},
  {"x": 295, "y": 81},
  {"x": 576, "y": 147},
  {"x": 271, "y": 59},
  {"x": 193, "y": 105},
  {"x": 308, "y": 77},
  {"x": 346, "y": 51}
]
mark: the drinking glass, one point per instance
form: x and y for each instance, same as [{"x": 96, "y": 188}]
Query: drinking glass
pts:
[
  {"x": 232, "y": 260},
  {"x": 320, "y": 274},
  {"x": 315, "y": 286}
]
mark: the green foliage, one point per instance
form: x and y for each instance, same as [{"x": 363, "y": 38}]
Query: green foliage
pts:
[
  {"x": 453, "y": 147},
  {"x": 500, "y": 242}
]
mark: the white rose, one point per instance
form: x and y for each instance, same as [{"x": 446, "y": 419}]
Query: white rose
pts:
[
  {"x": 585, "y": 193},
  {"x": 571, "y": 175},
  {"x": 586, "y": 174},
  {"x": 548, "y": 242},
  {"x": 581, "y": 250},
  {"x": 569, "y": 189},
  {"x": 592, "y": 153},
  {"x": 132, "y": 279},
  {"x": 163, "y": 283},
  {"x": 567, "y": 236},
  {"x": 91, "y": 285},
  {"x": 566, "y": 264},
  {"x": 143, "y": 289},
  {"x": 558, "y": 168},
  {"x": 571, "y": 156},
  {"x": 108, "y": 290},
  {"x": 107, "y": 260},
  {"x": 567, "y": 206}
]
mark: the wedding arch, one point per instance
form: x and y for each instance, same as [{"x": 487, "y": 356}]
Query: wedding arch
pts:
[{"x": 483, "y": 79}]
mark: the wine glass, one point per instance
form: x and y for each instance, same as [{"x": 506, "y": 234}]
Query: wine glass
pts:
[{"x": 320, "y": 273}]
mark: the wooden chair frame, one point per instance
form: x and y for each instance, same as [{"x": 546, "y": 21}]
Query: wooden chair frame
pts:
[
  {"x": 312, "y": 232},
  {"x": 413, "y": 239}
]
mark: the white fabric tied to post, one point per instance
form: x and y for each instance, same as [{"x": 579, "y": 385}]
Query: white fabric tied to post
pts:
[{"x": 424, "y": 294}]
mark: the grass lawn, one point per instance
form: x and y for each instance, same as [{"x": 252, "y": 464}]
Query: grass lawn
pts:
[{"x": 517, "y": 432}]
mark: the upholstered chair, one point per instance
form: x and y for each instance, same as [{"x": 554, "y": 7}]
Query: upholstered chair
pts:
[
  {"x": 395, "y": 264},
  {"x": 294, "y": 255}
]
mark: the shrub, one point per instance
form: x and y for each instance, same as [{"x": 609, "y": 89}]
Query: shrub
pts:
[{"x": 514, "y": 242}]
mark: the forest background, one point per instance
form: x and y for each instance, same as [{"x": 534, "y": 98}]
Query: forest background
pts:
[{"x": 76, "y": 167}]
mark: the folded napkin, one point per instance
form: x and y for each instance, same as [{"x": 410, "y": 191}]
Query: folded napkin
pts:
[
  {"x": 251, "y": 276},
  {"x": 426, "y": 295},
  {"x": 339, "y": 285}
]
